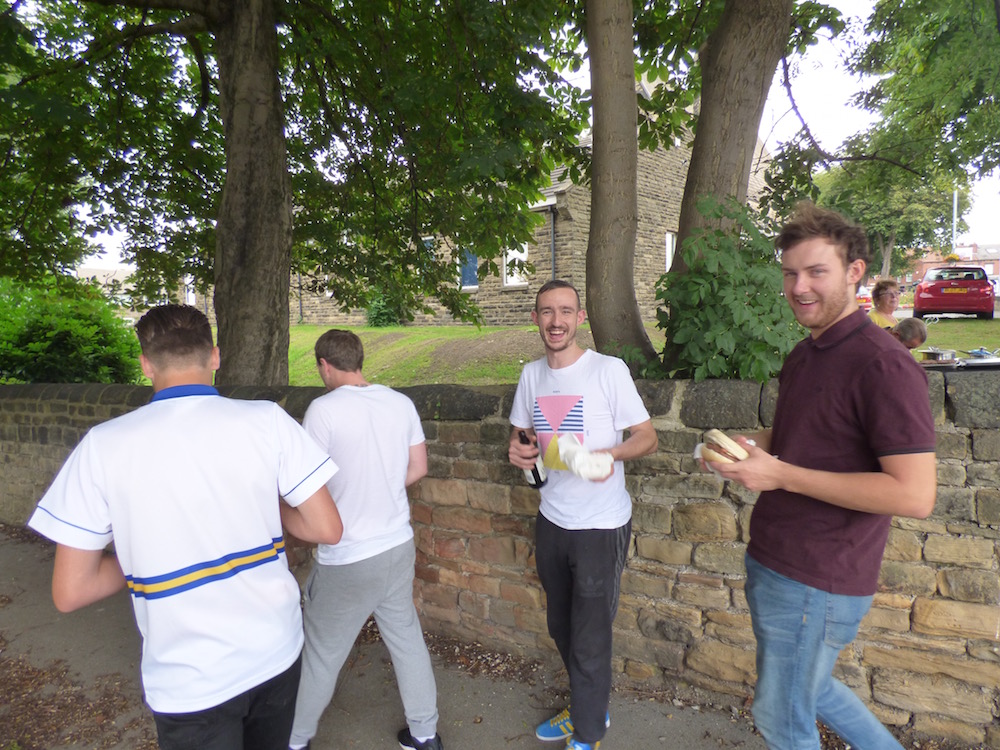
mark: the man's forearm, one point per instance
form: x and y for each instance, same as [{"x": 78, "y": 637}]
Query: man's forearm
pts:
[
  {"x": 761, "y": 438},
  {"x": 82, "y": 577},
  {"x": 870, "y": 492},
  {"x": 905, "y": 486},
  {"x": 642, "y": 441},
  {"x": 315, "y": 520}
]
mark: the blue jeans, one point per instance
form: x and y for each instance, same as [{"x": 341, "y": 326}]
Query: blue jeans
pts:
[{"x": 800, "y": 630}]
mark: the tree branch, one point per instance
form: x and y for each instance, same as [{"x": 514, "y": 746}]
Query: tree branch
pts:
[
  {"x": 214, "y": 11},
  {"x": 203, "y": 72},
  {"x": 185, "y": 27},
  {"x": 825, "y": 156}
]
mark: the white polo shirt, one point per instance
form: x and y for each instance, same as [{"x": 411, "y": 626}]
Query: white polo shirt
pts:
[{"x": 188, "y": 488}]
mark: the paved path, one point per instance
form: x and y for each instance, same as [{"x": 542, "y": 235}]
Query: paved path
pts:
[{"x": 71, "y": 681}]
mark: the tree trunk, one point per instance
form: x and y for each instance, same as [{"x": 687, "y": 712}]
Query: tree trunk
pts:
[
  {"x": 738, "y": 65},
  {"x": 888, "y": 247},
  {"x": 611, "y": 305},
  {"x": 254, "y": 231}
]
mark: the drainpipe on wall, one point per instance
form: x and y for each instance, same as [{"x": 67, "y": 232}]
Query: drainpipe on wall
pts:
[
  {"x": 301, "y": 315},
  {"x": 554, "y": 212}
]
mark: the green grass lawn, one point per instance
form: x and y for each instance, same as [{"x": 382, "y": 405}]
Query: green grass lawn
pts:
[
  {"x": 492, "y": 355},
  {"x": 411, "y": 355},
  {"x": 963, "y": 334}
]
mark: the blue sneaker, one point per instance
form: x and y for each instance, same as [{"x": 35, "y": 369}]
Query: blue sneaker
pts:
[
  {"x": 577, "y": 745},
  {"x": 560, "y": 727}
]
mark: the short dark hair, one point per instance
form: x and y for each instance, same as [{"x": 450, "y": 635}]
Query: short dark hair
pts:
[
  {"x": 341, "y": 349},
  {"x": 809, "y": 221},
  {"x": 548, "y": 286},
  {"x": 173, "y": 334}
]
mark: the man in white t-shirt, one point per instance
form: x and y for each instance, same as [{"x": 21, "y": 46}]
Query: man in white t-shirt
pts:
[
  {"x": 584, "y": 400},
  {"x": 375, "y": 436},
  {"x": 188, "y": 489}
]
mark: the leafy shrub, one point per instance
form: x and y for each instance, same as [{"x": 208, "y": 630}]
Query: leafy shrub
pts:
[
  {"x": 382, "y": 311},
  {"x": 725, "y": 317},
  {"x": 63, "y": 331}
]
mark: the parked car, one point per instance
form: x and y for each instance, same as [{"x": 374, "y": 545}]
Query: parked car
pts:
[
  {"x": 954, "y": 289},
  {"x": 865, "y": 297}
]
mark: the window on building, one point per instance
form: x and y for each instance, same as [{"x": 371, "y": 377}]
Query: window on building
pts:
[
  {"x": 671, "y": 244},
  {"x": 468, "y": 275},
  {"x": 513, "y": 277}
]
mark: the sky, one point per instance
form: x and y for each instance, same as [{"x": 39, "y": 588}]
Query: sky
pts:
[{"x": 822, "y": 88}]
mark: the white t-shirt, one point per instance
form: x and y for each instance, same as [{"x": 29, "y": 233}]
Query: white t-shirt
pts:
[
  {"x": 368, "y": 431},
  {"x": 188, "y": 488},
  {"x": 595, "y": 399}
]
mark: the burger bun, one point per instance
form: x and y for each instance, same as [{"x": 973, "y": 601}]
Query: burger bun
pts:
[{"x": 720, "y": 448}]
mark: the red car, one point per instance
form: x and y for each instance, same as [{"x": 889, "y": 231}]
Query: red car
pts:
[
  {"x": 864, "y": 296},
  {"x": 954, "y": 289}
]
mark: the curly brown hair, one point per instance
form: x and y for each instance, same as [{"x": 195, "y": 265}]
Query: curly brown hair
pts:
[{"x": 809, "y": 220}]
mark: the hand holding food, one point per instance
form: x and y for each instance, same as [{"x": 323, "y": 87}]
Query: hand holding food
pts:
[
  {"x": 583, "y": 463},
  {"x": 720, "y": 448}
]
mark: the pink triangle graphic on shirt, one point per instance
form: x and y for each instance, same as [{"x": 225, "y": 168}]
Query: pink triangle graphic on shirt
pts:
[{"x": 555, "y": 408}]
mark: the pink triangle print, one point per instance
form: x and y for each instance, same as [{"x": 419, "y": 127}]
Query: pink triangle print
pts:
[{"x": 555, "y": 408}]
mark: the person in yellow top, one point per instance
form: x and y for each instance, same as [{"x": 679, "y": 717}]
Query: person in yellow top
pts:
[{"x": 885, "y": 300}]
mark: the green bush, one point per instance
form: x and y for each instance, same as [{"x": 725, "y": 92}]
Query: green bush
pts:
[
  {"x": 726, "y": 317},
  {"x": 382, "y": 311},
  {"x": 63, "y": 331}
]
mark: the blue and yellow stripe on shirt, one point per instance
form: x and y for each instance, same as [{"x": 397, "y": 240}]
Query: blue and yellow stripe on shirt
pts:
[{"x": 193, "y": 576}]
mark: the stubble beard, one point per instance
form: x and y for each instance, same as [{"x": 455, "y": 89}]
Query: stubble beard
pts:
[
  {"x": 832, "y": 308},
  {"x": 563, "y": 345}
]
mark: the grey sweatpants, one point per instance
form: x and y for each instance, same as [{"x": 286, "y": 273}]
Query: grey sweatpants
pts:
[{"x": 339, "y": 599}]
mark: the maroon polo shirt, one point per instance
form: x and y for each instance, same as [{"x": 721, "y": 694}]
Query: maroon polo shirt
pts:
[{"x": 845, "y": 399}]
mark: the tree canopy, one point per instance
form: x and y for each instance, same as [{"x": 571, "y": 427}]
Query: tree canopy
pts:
[
  {"x": 932, "y": 68},
  {"x": 903, "y": 213},
  {"x": 201, "y": 127},
  {"x": 234, "y": 141}
]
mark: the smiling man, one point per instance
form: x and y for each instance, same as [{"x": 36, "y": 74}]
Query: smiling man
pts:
[
  {"x": 584, "y": 524},
  {"x": 855, "y": 437}
]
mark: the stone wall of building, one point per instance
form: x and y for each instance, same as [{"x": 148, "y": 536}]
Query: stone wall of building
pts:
[{"x": 927, "y": 656}]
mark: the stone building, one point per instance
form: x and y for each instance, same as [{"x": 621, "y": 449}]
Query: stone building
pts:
[{"x": 559, "y": 250}]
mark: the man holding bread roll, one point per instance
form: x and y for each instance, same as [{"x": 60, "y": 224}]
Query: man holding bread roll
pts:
[
  {"x": 851, "y": 445},
  {"x": 575, "y": 403}
]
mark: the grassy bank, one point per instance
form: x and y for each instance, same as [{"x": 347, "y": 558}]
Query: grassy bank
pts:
[
  {"x": 409, "y": 355},
  {"x": 465, "y": 355}
]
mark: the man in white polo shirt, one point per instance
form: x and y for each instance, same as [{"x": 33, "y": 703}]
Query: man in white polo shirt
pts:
[{"x": 188, "y": 489}]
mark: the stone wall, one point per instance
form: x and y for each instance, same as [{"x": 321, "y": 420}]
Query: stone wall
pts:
[{"x": 927, "y": 656}]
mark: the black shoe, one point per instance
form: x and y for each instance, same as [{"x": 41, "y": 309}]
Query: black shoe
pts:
[{"x": 406, "y": 741}]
